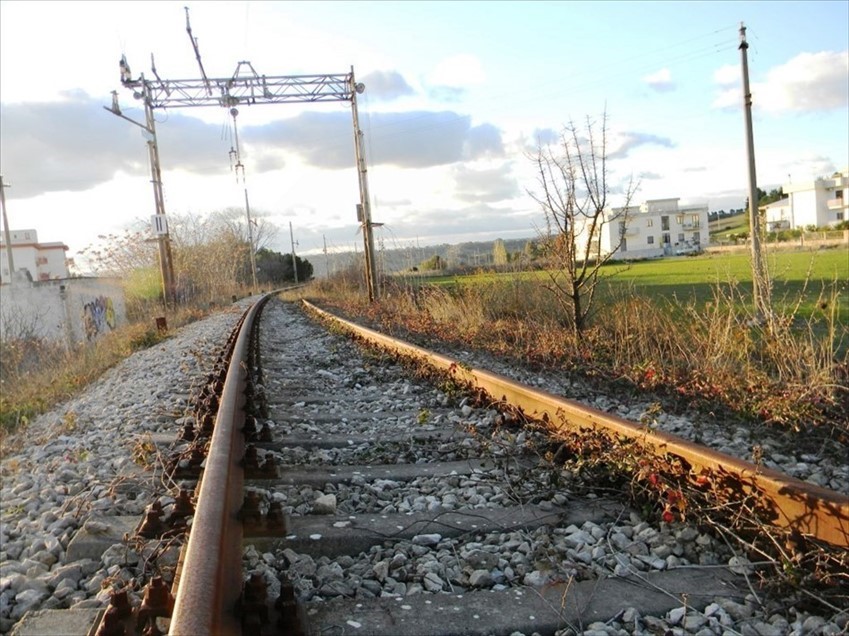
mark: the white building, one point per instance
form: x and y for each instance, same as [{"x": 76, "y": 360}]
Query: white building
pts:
[
  {"x": 777, "y": 215},
  {"x": 820, "y": 203},
  {"x": 658, "y": 227},
  {"x": 43, "y": 261}
]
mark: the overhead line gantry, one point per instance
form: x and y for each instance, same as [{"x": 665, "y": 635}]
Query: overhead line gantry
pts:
[{"x": 246, "y": 87}]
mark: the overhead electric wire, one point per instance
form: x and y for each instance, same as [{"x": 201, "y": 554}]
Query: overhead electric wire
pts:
[{"x": 381, "y": 131}]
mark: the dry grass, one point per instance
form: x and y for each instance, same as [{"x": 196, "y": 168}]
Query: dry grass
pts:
[
  {"x": 35, "y": 375},
  {"x": 714, "y": 356},
  {"x": 788, "y": 373}
]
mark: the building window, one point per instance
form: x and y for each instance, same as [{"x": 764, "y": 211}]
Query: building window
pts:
[
  {"x": 650, "y": 240},
  {"x": 664, "y": 223},
  {"x": 41, "y": 260},
  {"x": 621, "y": 229},
  {"x": 649, "y": 222},
  {"x": 680, "y": 238},
  {"x": 679, "y": 219},
  {"x": 697, "y": 238},
  {"x": 695, "y": 220},
  {"x": 624, "y": 246}
]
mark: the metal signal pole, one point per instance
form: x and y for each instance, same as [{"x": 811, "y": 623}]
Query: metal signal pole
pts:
[{"x": 760, "y": 284}]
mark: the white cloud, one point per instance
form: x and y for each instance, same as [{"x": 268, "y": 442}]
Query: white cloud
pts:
[
  {"x": 457, "y": 71},
  {"x": 808, "y": 82},
  {"x": 660, "y": 81},
  {"x": 727, "y": 75}
]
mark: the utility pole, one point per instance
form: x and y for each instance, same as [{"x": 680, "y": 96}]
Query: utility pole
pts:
[
  {"x": 326, "y": 261},
  {"x": 294, "y": 260},
  {"x": 166, "y": 265},
  {"x": 760, "y": 283},
  {"x": 364, "y": 209},
  {"x": 165, "y": 260},
  {"x": 6, "y": 235},
  {"x": 240, "y": 167}
]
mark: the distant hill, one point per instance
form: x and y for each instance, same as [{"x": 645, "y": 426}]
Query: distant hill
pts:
[{"x": 471, "y": 254}]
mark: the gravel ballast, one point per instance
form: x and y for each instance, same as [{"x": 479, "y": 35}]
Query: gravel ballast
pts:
[{"x": 77, "y": 462}]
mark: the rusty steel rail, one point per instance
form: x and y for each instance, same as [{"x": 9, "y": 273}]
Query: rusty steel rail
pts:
[
  {"x": 790, "y": 503},
  {"x": 209, "y": 579}
]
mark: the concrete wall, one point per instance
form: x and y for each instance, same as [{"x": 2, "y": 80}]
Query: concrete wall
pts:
[{"x": 72, "y": 310}]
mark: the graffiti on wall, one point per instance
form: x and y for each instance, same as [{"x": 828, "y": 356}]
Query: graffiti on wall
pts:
[{"x": 98, "y": 316}]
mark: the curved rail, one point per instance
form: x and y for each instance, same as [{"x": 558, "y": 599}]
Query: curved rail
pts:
[
  {"x": 209, "y": 579},
  {"x": 806, "y": 508}
]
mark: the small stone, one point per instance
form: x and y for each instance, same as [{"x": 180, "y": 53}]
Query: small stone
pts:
[
  {"x": 536, "y": 578},
  {"x": 675, "y": 615},
  {"x": 414, "y": 588},
  {"x": 579, "y": 538},
  {"x": 432, "y": 582},
  {"x": 381, "y": 570},
  {"x": 480, "y": 578},
  {"x": 740, "y": 565},
  {"x": 325, "y": 505},
  {"x": 72, "y": 572},
  {"x": 694, "y": 622},
  {"x": 25, "y": 601},
  {"x": 427, "y": 539},
  {"x": 765, "y": 629},
  {"x": 65, "y": 588},
  {"x": 372, "y": 586},
  {"x": 812, "y": 623}
]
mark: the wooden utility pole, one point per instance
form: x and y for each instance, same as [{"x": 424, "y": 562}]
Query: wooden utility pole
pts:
[
  {"x": 166, "y": 262},
  {"x": 326, "y": 261},
  {"x": 364, "y": 208},
  {"x": 294, "y": 260},
  {"x": 7, "y": 236},
  {"x": 760, "y": 283}
]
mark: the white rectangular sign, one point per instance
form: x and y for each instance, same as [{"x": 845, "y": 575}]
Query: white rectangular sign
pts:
[{"x": 160, "y": 224}]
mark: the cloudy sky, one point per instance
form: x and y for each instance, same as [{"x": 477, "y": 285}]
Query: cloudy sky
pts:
[{"x": 457, "y": 95}]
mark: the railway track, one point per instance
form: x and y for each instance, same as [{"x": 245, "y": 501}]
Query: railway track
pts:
[{"x": 339, "y": 496}]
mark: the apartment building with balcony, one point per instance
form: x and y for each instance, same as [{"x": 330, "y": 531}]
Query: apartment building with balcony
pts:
[
  {"x": 657, "y": 227},
  {"x": 42, "y": 261},
  {"x": 823, "y": 202}
]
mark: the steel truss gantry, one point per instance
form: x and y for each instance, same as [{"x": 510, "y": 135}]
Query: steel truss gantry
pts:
[{"x": 247, "y": 88}]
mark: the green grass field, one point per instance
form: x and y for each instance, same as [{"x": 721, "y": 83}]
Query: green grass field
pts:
[
  {"x": 795, "y": 274},
  {"x": 740, "y": 226}
]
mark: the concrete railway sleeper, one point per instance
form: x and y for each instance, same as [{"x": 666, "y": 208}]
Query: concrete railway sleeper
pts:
[{"x": 338, "y": 495}]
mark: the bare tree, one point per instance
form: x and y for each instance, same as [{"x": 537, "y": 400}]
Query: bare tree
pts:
[
  {"x": 573, "y": 194},
  {"x": 233, "y": 219},
  {"x": 211, "y": 253},
  {"x": 210, "y": 261},
  {"x": 120, "y": 254}
]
